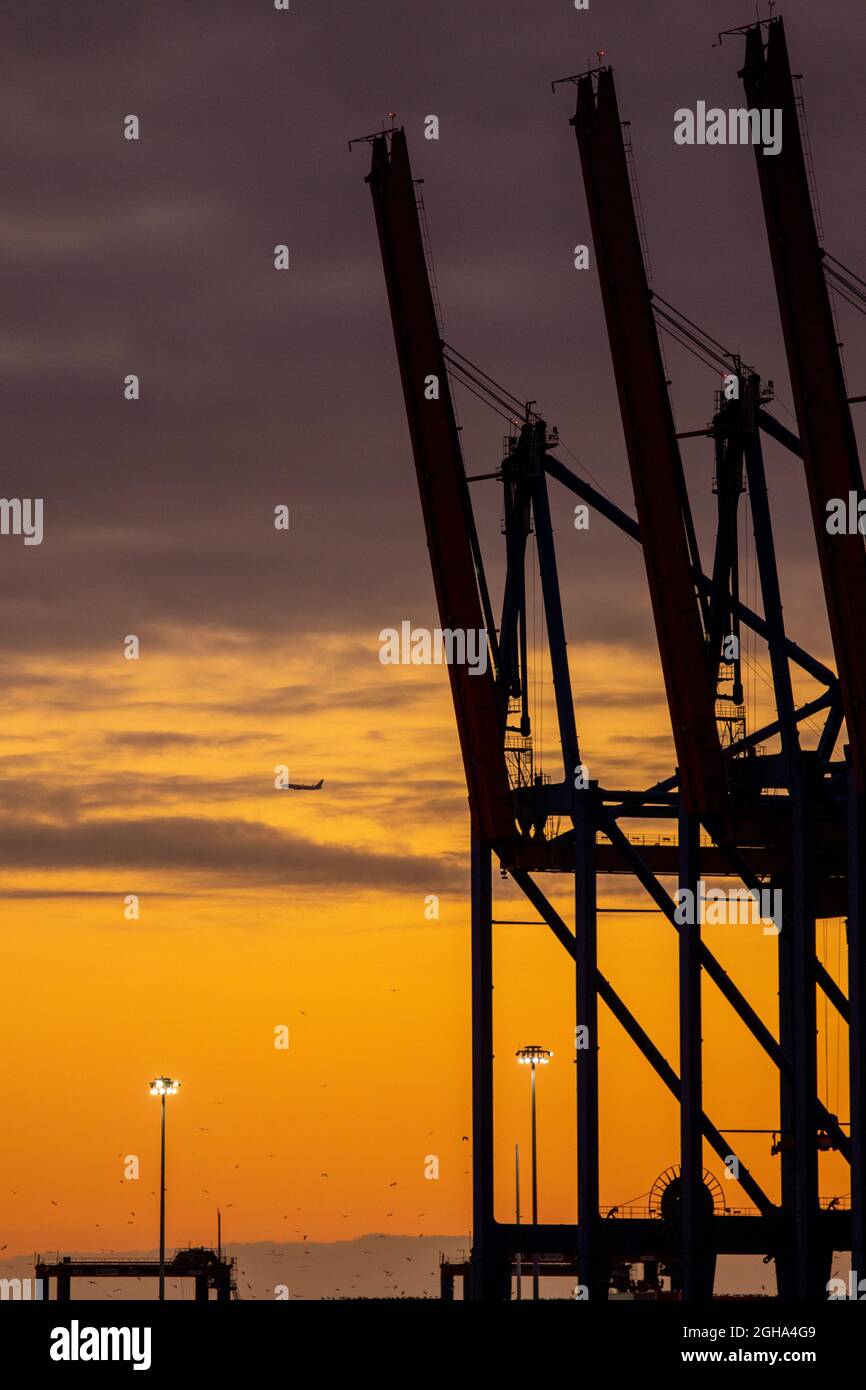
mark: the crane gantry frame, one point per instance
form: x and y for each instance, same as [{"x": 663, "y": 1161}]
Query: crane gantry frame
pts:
[{"x": 809, "y": 841}]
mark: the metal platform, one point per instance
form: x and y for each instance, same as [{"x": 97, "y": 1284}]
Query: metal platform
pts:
[{"x": 209, "y": 1269}]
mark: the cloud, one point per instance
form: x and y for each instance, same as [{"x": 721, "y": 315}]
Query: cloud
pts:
[
  {"x": 259, "y": 387},
  {"x": 231, "y": 850}
]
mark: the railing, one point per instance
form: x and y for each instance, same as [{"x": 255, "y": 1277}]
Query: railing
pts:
[
  {"x": 651, "y": 1213},
  {"x": 428, "y": 251},
  {"x": 121, "y": 1257},
  {"x": 636, "y": 198},
  {"x": 800, "y": 104}
]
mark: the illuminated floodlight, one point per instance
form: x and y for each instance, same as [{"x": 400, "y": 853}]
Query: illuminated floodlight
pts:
[
  {"x": 164, "y": 1086},
  {"x": 533, "y": 1056}
]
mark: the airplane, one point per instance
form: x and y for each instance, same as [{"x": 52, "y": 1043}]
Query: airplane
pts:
[{"x": 305, "y": 787}]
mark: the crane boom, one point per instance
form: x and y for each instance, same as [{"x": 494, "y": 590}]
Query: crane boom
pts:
[
  {"x": 441, "y": 479},
  {"x": 827, "y": 438},
  {"x": 656, "y": 467}
]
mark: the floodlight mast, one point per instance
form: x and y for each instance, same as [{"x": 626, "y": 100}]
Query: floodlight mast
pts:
[
  {"x": 162, "y": 1086},
  {"x": 534, "y": 1057}
]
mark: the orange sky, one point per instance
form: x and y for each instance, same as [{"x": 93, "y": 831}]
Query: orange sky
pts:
[{"x": 374, "y": 995}]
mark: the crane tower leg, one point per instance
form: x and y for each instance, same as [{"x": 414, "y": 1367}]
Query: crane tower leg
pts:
[{"x": 489, "y": 1274}]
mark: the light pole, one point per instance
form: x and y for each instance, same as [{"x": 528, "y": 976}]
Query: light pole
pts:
[
  {"x": 517, "y": 1217},
  {"x": 162, "y": 1086},
  {"x": 534, "y": 1057}
]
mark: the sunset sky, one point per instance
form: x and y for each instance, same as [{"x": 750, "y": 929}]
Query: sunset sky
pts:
[{"x": 259, "y": 647}]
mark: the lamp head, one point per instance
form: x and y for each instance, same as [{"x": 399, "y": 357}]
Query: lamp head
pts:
[
  {"x": 533, "y": 1055},
  {"x": 164, "y": 1086}
]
